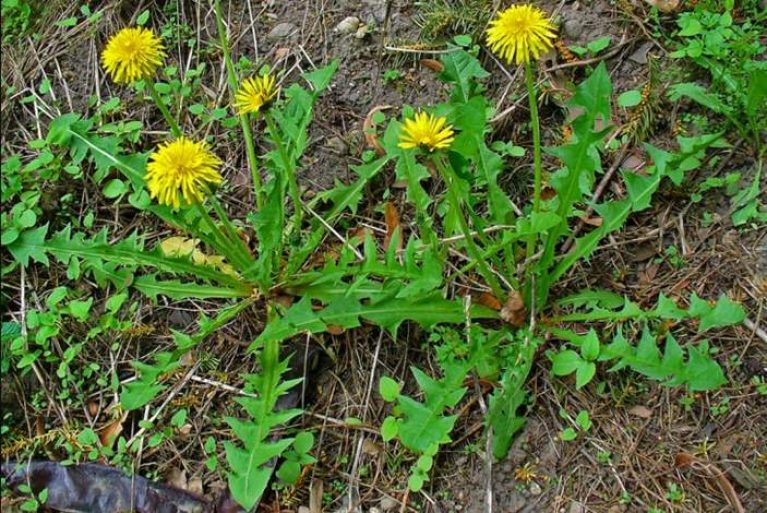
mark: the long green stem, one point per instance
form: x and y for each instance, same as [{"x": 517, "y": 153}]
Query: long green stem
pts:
[
  {"x": 174, "y": 128},
  {"x": 455, "y": 203},
  {"x": 289, "y": 169},
  {"x": 247, "y": 134},
  {"x": 537, "y": 179},
  {"x": 230, "y": 231},
  {"x": 223, "y": 245}
]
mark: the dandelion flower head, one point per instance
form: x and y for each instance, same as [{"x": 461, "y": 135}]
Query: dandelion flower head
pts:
[
  {"x": 255, "y": 93},
  {"x": 182, "y": 170},
  {"x": 521, "y": 33},
  {"x": 427, "y": 131},
  {"x": 133, "y": 54}
]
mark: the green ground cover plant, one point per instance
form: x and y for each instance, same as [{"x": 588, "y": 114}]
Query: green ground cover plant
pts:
[{"x": 475, "y": 270}]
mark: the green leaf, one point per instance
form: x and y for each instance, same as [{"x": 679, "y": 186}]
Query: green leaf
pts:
[
  {"x": 568, "y": 435},
  {"x": 151, "y": 287},
  {"x": 142, "y": 18},
  {"x": 303, "y": 442},
  {"x": 30, "y": 244},
  {"x": 584, "y": 374},
  {"x": 389, "y": 428},
  {"x": 415, "y": 482},
  {"x": 724, "y": 313},
  {"x": 503, "y": 409},
  {"x": 565, "y": 362},
  {"x": 690, "y": 26},
  {"x": 630, "y": 98},
  {"x": 320, "y": 78},
  {"x": 115, "y": 188},
  {"x": 289, "y": 472},
  {"x": 139, "y": 393},
  {"x": 699, "y": 95},
  {"x": 80, "y": 309},
  {"x": 583, "y": 420},
  {"x": 590, "y": 346},
  {"x": 462, "y": 69},
  {"x": 703, "y": 373},
  {"x": 388, "y": 388},
  {"x": 599, "y": 44}
]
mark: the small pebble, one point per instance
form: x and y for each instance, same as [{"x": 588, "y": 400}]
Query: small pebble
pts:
[
  {"x": 362, "y": 31},
  {"x": 348, "y": 25},
  {"x": 282, "y": 30},
  {"x": 388, "y": 504},
  {"x": 576, "y": 507},
  {"x": 535, "y": 488}
]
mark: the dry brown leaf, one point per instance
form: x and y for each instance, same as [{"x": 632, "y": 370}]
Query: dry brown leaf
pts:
[
  {"x": 432, "y": 64},
  {"x": 548, "y": 193},
  {"x": 592, "y": 220},
  {"x": 371, "y": 448},
  {"x": 391, "y": 217},
  {"x": 334, "y": 330},
  {"x": 665, "y": 6},
  {"x": 315, "y": 496},
  {"x": 489, "y": 300},
  {"x": 93, "y": 408},
  {"x": 368, "y": 128},
  {"x": 111, "y": 431},
  {"x": 195, "y": 485},
  {"x": 176, "y": 477},
  {"x": 647, "y": 276},
  {"x": 714, "y": 473},
  {"x": 641, "y": 411},
  {"x": 514, "y": 311}
]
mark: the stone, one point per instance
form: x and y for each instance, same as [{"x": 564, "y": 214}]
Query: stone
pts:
[
  {"x": 362, "y": 31},
  {"x": 640, "y": 54},
  {"x": 535, "y": 488},
  {"x": 347, "y": 25},
  {"x": 573, "y": 27},
  {"x": 388, "y": 504},
  {"x": 576, "y": 507},
  {"x": 282, "y": 30}
]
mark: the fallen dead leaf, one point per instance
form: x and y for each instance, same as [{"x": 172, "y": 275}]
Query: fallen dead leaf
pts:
[
  {"x": 391, "y": 218},
  {"x": 592, "y": 220},
  {"x": 315, "y": 496},
  {"x": 368, "y": 128},
  {"x": 683, "y": 460},
  {"x": 432, "y": 65},
  {"x": 641, "y": 411},
  {"x": 647, "y": 276},
  {"x": 514, "y": 311},
  {"x": 489, "y": 300},
  {"x": 176, "y": 477},
  {"x": 112, "y": 430},
  {"x": 665, "y": 6}
]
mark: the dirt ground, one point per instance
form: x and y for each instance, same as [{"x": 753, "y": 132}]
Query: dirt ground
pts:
[{"x": 630, "y": 459}]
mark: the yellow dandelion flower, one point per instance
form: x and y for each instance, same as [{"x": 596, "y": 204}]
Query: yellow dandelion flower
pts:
[
  {"x": 182, "y": 169},
  {"x": 426, "y": 130},
  {"x": 133, "y": 54},
  {"x": 521, "y": 33},
  {"x": 254, "y": 93}
]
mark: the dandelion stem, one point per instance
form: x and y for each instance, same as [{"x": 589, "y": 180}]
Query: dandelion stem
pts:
[
  {"x": 289, "y": 169},
  {"x": 230, "y": 231},
  {"x": 455, "y": 204},
  {"x": 174, "y": 128},
  {"x": 247, "y": 134},
  {"x": 536, "y": 126},
  {"x": 223, "y": 245}
]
